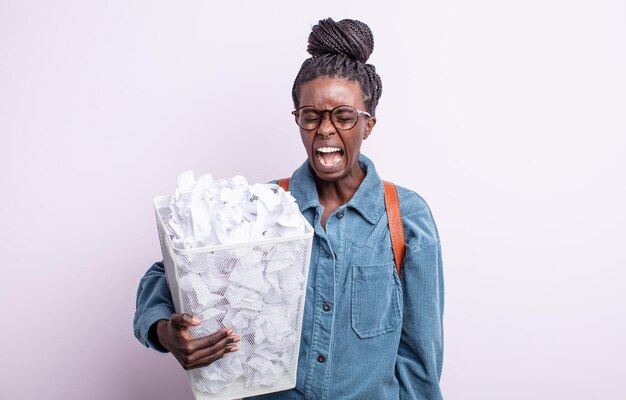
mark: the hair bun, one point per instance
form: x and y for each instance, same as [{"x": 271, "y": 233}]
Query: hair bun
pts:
[{"x": 347, "y": 37}]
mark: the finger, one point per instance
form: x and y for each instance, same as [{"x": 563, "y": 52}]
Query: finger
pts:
[
  {"x": 211, "y": 340},
  {"x": 184, "y": 320},
  {"x": 210, "y": 358},
  {"x": 198, "y": 353},
  {"x": 184, "y": 333},
  {"x": 190, "y": 345}
]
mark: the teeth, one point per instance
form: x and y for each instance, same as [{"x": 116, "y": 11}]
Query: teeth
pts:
[
  {"x": 329, "y": 156},
  {"x": 328, "y": 149}
]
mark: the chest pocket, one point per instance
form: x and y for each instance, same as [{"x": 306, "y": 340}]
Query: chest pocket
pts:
[{"x": 376, "y": 299}]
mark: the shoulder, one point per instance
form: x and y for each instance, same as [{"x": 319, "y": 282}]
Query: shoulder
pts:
[
  {"x": 419, "y": 224},
  {"x": 412, "y": 203}
]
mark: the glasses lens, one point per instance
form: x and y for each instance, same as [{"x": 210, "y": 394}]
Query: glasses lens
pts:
[
  {"x": 345, "y": 117},
  {"x": 309, "y": 118}
]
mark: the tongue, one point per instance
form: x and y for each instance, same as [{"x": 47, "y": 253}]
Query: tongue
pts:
[{"x": 330, "y": 158}]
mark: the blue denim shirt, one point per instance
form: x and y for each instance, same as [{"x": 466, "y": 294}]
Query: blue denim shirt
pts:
[{"x": 367, "y": 332}]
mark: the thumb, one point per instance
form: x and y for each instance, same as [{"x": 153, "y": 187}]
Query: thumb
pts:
[{"x": 184, "y": 320}]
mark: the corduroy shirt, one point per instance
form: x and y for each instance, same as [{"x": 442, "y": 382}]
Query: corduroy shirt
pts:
[{"x": 367, "y": 333}]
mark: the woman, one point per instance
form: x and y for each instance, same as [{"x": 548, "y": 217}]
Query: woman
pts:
[{"x": 368, "y": 331}]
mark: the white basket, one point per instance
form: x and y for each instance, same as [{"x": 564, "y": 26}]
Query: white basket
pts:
[{"x": 210, "y": 269}]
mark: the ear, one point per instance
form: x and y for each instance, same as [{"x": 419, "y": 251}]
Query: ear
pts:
[{"x": 368, "y": 128}]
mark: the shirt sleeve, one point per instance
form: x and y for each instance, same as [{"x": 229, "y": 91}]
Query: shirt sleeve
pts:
[
  {"x": 420, "y": 353},
  {"x": 154, "y": 303}
]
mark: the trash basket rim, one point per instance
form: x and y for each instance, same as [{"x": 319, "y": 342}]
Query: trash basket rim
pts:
[{"x": 206, "y": 249}]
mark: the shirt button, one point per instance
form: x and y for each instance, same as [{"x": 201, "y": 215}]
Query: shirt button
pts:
[
  {"x": 340, "y": 214},
  {"x": 326, "y": 307},
  {"x": 321, "y": 358}
]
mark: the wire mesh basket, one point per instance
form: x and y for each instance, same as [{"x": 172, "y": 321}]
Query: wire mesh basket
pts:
[{"x": 258, "y": 289}]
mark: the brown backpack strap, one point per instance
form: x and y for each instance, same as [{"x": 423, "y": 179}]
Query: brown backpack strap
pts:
[
  {"x": 394, "y": 216},
  {"x": 284, "y": 183}
]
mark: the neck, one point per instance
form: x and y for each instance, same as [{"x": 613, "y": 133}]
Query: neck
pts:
[{"x": 341, "y": 191}]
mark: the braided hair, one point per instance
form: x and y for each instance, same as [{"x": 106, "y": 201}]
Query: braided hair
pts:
[{"x": 340, "y": 50}]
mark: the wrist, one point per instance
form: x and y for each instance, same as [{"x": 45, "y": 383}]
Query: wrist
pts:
[{"x": 155, "y": 330}]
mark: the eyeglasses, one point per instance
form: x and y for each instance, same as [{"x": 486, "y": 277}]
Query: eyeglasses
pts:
[{"x": 343, "y": 118}]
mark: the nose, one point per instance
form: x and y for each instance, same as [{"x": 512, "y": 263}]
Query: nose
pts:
[{"x": 326, "y": 128}]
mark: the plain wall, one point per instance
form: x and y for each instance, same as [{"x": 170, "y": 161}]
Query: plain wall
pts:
[{"x": 508, "y": 117}]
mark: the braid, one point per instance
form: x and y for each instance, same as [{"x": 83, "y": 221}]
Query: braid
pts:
[{"x": 341, "y": 49}]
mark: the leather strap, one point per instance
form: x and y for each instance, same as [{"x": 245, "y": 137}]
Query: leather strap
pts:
[
  {"x": 284, "y": 183},
  {"x": 394, "y": 217}
]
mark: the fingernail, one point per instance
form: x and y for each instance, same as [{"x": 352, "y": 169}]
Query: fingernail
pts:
[
  {"x": 195, "y": 320},
  {"x": 229, "y": 332},
  {"x": 225, "y": 354},
  {"x": 235, "y": 339},
  {"x": 233, "y": 348}
]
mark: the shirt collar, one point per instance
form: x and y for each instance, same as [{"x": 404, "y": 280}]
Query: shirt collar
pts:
[{"x": 368, "y": 200}]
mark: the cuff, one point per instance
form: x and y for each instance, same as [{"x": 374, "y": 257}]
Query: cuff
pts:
[{"x": 149, "y": 319}]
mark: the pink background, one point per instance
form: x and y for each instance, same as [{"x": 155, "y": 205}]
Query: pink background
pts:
[{"x": 508, "y": 117}]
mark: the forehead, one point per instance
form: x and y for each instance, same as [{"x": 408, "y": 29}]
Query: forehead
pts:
[{"x": 327, "y": 93}]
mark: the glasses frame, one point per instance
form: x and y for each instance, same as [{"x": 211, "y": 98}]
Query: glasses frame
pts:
[{"x": 330, "y": 114}]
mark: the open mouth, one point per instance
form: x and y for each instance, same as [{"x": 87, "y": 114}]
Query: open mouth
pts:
[{"x": 329, "y": 156}]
